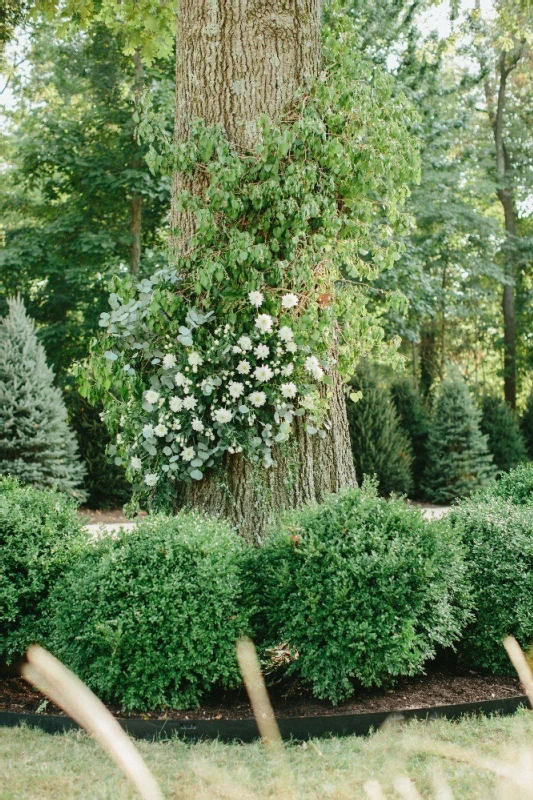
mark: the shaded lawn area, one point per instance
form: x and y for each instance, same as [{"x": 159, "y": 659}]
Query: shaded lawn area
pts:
[{"x": 36, "y": 765}]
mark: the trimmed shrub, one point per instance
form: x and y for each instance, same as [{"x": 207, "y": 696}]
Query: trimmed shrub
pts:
[
  {"x": 516, "y": 486},
  {"x": 40, "y": 536},
  {"x": 379, "y": 444},
  {"x": 458, "y": 458},
  {"x": 526, "y": 424},
  {"x": 150, "y": 619},
  {"x": 414, "y": 419},
  {"x": 498, "y": 540},
  {"x": 500, "y": 425},
  {"x": 359, "y": 588}
]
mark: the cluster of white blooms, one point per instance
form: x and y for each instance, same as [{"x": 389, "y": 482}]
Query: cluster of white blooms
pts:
[{"x": 228, "y": 391}]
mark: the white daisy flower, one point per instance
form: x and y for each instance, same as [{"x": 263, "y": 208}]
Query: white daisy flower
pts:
[
  {"x": 236, "y": 349},
  {"x": 263, "y": 374},
  {"x": 243, "y": 367},
  {"x": 148, "y": 431},
  {"x": 151, "y": 397},
  {"x": 195, "y": 359},
  {"x": 313, "y": 367},
  {"x": 287, "y": 370},
  {"x": 180, "y": 379},
  {"x": 262, "y": 351},
  {"x": 187, "y": 454},
  {"x": 245, "y": 343},
  {"x": 257, "y": 399},
  {"x": 264, "y": 323},
  {"x": 169, "y": 361},
  {"x": 291, "y": 347},
  {"x": 151, "y": 478},
  {"x": 190, "y": 402},
  {"x": 235, "y": 389},
  {"x": 285, "y": 334},
  {"x": 135, "y": 463},
  {"x": 175, "y": 403},
  {"x": 197, "y": 425},
  {"x": 222, "y": 415},
  {"x": 289, "y": 300},
  {"x": 288, "y": 389},
  {"x": 256, "y": 298},
  {"x": 160, "y": 430}
]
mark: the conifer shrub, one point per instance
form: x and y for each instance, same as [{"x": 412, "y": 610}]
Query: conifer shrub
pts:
[
  {"x": 414, "y": 419},
  {"x": 40, "y": 536},
  {"x": 526, "y": 424},
  {"x": 150, "y": 619},
  {"x": 36, "y": 443},
  {"x": 380, "y": 446},
  {"x": 504, "y": 437},
  {"x": 459, "y": 461},
  {"x": 360, "y": 589},
  {"x": 498, "y": 543}
]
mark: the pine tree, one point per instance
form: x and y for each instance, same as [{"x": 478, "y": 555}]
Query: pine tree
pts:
[
  {"x": 458, "y": 457},
  {"x": 526, "y": 424},
  {"x": 414, "y": 419},
  {"x": 36, "y": 444},
  {"x": 500, "y": 425},
  {"x": 380, "y": 447}
]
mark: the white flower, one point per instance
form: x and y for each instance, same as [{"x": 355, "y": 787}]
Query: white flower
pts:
[
  {"x": 288, "y": 389},
  {"x": 257, "y": 399},
  {"x": 195, "y": 359},
  {"x": 169, "y": 361},
  {"x": 160, "y": 430},
  {"x": 222, "y": 415},
  {"x": 243, "y": 367},
  {"x": 236, "y": 349},
  {"x": 308, "y": 401},
  {"x": 245, "y": 343},
  {"x": 180, "y": 379},
  {"x": 261, "y": 351},
  {"x": 287, "y": 370},
  {"x": 197, "y": 425},
  {"x": 264, "y": 323},
  {"x": 187, "y": 454},
  {"x": 285, "y": 334},
  {"x": 313, "y": 367},
  {"x": 235, "y": 389},
  {"x": 263, "y": 374},
  {"x": 256, "y": 298},
  {"x": 148, "y": 431},
  {"x": 291, "y": 347},
  {"x": 151, "y": 397},
  {"x": 189, "y": 403},
  {"x": 176, "y": 404},
  {"x": 151, "y": 479},
  {"x": 289, "y": 300},
  {"x": 135, "y": 463}
]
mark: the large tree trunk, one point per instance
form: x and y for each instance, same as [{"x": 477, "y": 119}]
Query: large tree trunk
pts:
[{"x": 238, "y": 60}]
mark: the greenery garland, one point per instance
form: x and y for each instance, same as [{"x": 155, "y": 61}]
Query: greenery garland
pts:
[{"x": 287, "y": 236}]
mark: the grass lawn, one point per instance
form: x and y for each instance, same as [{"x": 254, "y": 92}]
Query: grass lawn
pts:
[{"x": 473, "y": 758}]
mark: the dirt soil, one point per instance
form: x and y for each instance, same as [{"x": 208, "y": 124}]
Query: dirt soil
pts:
[
  {"x": 93, "y": 516},
  {"x": 292, "y": 700}
]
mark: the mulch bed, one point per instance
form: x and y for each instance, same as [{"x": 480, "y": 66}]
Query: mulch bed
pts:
[{"x": 439, "y": 688}]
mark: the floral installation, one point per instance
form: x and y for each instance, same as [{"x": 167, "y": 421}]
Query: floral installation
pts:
[{"x": 217, "y": 389}]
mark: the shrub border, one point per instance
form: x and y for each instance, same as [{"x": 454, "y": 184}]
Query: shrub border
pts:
[{"x": 298, "y": 728}]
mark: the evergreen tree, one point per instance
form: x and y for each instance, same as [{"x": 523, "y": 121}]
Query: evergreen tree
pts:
[
  {"x": 500, "y": 425},
  {"x": 36, "y": 444},
  {"x": 414, "y": 419},
  {"x": 458, "y": 457},
  {"x": 379, "y": 444},
  {"x": 526, "y": 424}
]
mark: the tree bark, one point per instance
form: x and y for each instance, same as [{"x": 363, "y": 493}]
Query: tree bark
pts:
[
  {"x": 238, "y": 60},
  {"x": 505, "y": 193}
]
